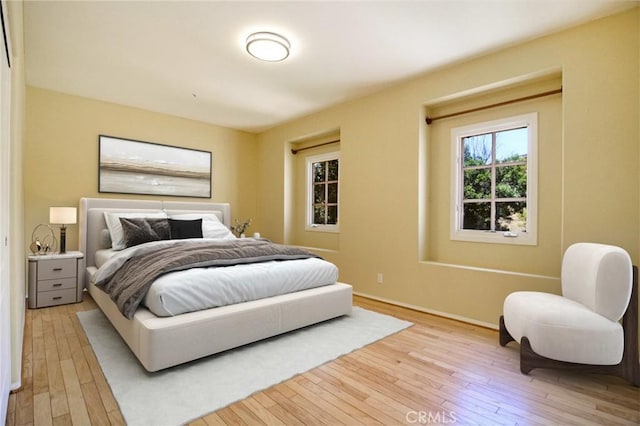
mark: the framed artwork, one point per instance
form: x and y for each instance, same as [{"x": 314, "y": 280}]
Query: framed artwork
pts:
[{"x": 136, "y": 167}]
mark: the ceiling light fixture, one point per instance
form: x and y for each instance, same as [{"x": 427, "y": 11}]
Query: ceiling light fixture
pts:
[{"x": 268, "y": 46}]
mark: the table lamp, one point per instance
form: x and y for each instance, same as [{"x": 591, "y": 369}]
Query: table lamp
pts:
[{"x": 62, "y": 216}]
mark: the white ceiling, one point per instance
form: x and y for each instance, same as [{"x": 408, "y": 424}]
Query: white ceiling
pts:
[{"x": 187, "y": 58}]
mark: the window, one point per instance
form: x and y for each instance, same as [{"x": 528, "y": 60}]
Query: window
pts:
[
  {"x": 494, "y": 181},
  {"x": 322, "y": 192}
]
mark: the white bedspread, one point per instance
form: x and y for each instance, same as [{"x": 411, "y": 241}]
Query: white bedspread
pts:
[{"x": 201, "y": 288}]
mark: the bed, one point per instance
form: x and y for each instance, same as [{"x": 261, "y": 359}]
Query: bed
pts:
[{"x": 160, "y": 342}]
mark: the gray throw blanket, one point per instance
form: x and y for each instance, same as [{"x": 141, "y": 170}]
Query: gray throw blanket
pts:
[{"x": 129, "y": 284}]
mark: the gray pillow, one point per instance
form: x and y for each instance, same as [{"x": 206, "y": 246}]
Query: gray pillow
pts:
[
  {"x": 143, "y": 230},
  {"x": 180, "y": 229}
]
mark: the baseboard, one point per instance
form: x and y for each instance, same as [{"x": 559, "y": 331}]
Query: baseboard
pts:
[{"x": 430, "y": 311}]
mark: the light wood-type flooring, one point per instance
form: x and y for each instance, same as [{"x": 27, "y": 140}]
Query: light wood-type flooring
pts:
[{"x": 438, "y": 371}]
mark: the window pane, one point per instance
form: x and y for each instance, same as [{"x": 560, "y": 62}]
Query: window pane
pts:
[
  {"x": 318, "y": 193},
  {"x": 477, "y": 150},
  {"x": 318, "y": 214},
  {"x": 511, "y": 216},
  {"x": 512, "y": 145},
  {"x": 333, "y": 170},
  {"x": 332, "y": 215},
  {"x": 477, "y": 216},
  {"x": 477, "y": 184},
  {"x": 332, "y": 196},
  {"x": 511, "y": 181},
  {"x": 318, "y": 172}
]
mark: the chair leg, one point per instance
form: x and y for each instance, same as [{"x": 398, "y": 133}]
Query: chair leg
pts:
[
  {"x": 628, "y": 368},
  {"x": 529, "y": 360},
  {"x": 505, "y": 337}
]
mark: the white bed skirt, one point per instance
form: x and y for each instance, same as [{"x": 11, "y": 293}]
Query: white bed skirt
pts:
[{"x": 162, "y": 342}]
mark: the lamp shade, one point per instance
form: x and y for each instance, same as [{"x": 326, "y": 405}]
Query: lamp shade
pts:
[{"x": 62, "y": 215}]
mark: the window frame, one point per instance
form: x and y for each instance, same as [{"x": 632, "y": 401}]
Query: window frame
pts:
[
  {"x": 309, "y": 161},
  {"x": 457, "y": 233}
]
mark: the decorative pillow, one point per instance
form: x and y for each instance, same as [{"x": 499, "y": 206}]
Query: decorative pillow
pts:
[
  {"x": 115, "y": 228},
  {"x": 180, "y": 229},
  {"x": 211, "y": 225},
  {"x": 144, "y": 230}
]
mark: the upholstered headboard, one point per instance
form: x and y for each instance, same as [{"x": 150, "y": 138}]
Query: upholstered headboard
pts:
[{"x": 92, "y": 223}]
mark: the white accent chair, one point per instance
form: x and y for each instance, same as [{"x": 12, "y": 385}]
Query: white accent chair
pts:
[{"x": 581, "y": 329}]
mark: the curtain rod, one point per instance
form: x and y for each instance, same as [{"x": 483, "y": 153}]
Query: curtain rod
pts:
[
  {"x": 295, "y": 151},
  {"x": 430, "y": 120}
]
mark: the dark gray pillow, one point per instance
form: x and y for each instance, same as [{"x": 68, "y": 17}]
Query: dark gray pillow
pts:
[
  {"x": 181, "y": 229},
  {"x": 143, "y": 230}
]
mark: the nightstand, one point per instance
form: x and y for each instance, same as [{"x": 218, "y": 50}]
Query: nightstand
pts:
[{"x": 54, "y": 279}]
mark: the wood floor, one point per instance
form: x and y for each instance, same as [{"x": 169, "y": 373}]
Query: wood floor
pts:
[{"x": 437, "y": 372}]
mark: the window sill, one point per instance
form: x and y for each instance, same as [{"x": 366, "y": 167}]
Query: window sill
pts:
[
  {"x": 318, "y": 249},
  {"x": 495, "y": 238},
  {"x": 320, "y": 228}
]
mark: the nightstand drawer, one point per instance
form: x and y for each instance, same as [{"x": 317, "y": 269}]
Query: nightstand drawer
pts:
[
  {"x": 57, "y": 268},
  {"x": 62, "y": 283},
  {"x": 56, "y": 297}
]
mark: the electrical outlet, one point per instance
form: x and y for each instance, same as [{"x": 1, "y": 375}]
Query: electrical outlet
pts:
[{"x": 380, "y": 278}]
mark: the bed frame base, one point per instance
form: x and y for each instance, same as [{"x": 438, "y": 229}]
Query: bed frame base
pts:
[{"x": 160, "y": 343}]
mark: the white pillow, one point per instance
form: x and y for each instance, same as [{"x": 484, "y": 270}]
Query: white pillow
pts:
[
  {"x": 211, "y": 225},
  {"x": 115, "y": 228},
  {"x": 106, "y": 239}
]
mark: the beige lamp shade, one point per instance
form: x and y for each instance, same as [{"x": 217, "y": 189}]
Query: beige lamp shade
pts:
[{"x": 62, "y": 215}]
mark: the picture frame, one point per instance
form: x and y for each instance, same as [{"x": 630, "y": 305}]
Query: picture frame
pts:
[{"x": 131, "y": 166}]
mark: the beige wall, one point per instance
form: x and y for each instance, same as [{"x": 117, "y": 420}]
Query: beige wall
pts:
[
  {"x": 61, "y": 153},
  {"x": 593, "y": 178}
]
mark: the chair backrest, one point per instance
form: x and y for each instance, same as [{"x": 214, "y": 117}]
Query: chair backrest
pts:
[{"x": 599, "y": 276}]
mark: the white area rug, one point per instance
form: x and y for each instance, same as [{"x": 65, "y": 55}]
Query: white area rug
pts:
[{"x": 180, "y": 394}]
